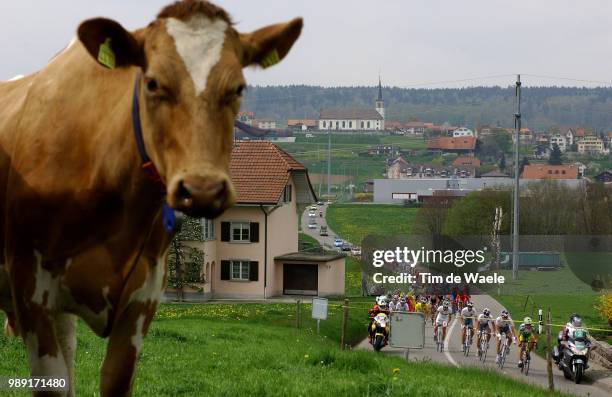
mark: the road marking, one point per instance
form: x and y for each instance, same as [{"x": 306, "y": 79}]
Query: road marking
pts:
[{"x": 446, "y": 342}]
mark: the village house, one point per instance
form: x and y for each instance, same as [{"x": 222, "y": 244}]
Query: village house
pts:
[
  {"x": 384, "y": 150},
  {"x": 604, "y": 177},
  {"x": 251, "y": 251},
  {"x": 302, "y": 124},
  {"x": 264, "y": 124},
  {"x": 467, "y": 161},
  {"x": 547, "y": 171},
  {"x": 462, "y": 131},
  {"x": 559, "y": 140},
  {"x": 415, "y": 128},
  {"x": 246, "y": 117},
  {"x": 463, "y": 145},
  {"x": 591, "y": 145}
]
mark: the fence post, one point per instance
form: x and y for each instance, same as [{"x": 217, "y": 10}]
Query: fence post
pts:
[
  {"x": 551, "y": 385},
  {"x": 297, "y": 314},
  {"x": 345, "y": 313}
]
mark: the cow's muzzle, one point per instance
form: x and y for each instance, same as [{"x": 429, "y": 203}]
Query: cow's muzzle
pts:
[{"x": 199, "y": 196}]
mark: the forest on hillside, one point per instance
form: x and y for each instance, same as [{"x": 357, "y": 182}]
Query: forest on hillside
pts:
[{"x": 542, "y": 107}]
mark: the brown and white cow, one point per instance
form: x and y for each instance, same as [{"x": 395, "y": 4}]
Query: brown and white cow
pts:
[{"x": 81, "y": 229}]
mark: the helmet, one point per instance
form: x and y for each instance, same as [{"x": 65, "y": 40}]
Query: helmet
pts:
[
  {"x": 577, "y": 322},
  {"x": 504, "y": 313},
  {"x": 445, "y": 304},
  {"x": 527, "y": 321},
  {"x": 486, "y": 311},
  {"x": 470, "y": 304}
]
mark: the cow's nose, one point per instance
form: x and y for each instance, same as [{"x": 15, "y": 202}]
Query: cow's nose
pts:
[{"x": 201, "y": 196}]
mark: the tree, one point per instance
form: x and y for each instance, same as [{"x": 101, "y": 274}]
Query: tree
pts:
[
  {"x": 524, "y": 162},
  {"x": 502, "y": 162},
  {"x": 474, "y": 214},
  {"x": 185, "y": 261},
  {"x": 556, "y": 157}
]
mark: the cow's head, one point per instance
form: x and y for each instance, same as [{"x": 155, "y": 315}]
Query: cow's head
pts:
[{"x": 191, "y": 59}]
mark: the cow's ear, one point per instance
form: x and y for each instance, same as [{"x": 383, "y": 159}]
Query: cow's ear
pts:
[
  {"x": 110, "y": 44},
  {"x": 267, "y": 46}
]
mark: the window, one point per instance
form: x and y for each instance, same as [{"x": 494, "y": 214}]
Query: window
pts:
[
  {"x": 362, "y": 124},
  {"x": 350, "y": 124},
  {"x": 208, "y": 229},
  {"x": 287, "y": 194},
  {"x": 240, "y": 231},
  {"x": 325, "y": 124},
  {"x": 240, "y": 270},
  {"x": 343, "y": 124},
  {"x": 368, "y": 124}
]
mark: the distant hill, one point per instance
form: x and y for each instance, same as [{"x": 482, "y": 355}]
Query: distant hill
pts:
[{"x": 542, "y": 107}]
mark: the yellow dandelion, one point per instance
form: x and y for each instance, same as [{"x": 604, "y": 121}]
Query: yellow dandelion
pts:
[{"x": 396, "y": 371}]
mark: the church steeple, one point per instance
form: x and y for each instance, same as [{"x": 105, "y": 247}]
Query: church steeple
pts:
[{"x": 380, "y": 104}]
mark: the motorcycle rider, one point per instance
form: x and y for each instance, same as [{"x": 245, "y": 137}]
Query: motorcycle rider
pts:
[
  {"x": 381, "y": 306},
  {"x": 527, "y": 334},
  {"x": 394, "y": 304},
  {"x": 567, "y": 333},
  {"x": 485, "y": 325},
  {"x": 468, "y": 315},
  {"x": 504, "y": 325}
]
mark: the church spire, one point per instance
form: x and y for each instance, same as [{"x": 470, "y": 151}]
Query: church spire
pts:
[{"x": 380, "y": 98}]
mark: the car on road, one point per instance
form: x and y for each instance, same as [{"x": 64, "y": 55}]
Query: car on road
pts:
[
  {"x": 345, "y": 246},
  {"x": 312, "y": 225},
  {"x": 338, "y": 242},
  {"x": 312, "y": 213},
  {"x": 320, "y": 203},
  {"x": 323, "y": 231},
  {"x": 356, "y": 251},
  {"x": 313, "y": 208}
]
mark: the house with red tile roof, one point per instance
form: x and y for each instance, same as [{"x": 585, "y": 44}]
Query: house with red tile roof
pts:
[
  {"x": 465, "y": 144},
  {"x": 547, "y": 171},
  {"x": 251, "y": 251}
]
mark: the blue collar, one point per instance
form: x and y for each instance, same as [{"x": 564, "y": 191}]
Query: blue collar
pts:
[{"x": 169, "y": 218}]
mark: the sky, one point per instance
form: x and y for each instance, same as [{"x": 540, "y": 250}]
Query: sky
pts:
[{"x": 410, "y": 43}]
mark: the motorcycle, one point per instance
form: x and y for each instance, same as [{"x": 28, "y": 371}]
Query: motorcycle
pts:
[
  {"x": 379, "y": 330},
  {"x": 574, "y": 359}
]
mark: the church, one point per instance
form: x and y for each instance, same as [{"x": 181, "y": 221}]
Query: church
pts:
[{"x": 355, "y": 119}]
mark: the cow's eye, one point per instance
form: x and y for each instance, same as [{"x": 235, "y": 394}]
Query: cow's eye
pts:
[
  {"x": 239, "y": 90},
  {"x": 152, "y": 86}
]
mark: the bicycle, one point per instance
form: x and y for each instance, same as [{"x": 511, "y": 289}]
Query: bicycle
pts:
[
  {"x": 526, "y": 356},
  {"x": 438, "y": 337},
  {"x": 467, "y": 341},
  {"x": 483, "y": 348},
  {"x": 504, "y": 350}
]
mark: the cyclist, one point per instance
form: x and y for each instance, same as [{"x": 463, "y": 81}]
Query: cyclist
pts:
[
  {"x": 504, "y": 325},
  {"x": 485, "y": 325},
  {"x": 394, "y": 304},
  {"x": 468, "y": 315},
  {"x": 443, "y": 318},
  {"x": 527, "y": 334}
]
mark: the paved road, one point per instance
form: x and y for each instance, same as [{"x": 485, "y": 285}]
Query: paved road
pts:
[
  {"x": 597, "y": 382},
  {"x": 326, "y": 242}
]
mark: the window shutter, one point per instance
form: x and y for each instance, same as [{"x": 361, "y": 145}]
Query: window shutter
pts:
[
  {"x": 254, "y": 232},
  {"x": 225, "y": 231},
  {"x": 225, "y": 270},
  {"x": 253, "y": 271}
]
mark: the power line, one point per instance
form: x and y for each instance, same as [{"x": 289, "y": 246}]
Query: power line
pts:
[{"x": 541, "y": 76}]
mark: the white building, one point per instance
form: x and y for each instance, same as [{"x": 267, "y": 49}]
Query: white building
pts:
[
  {"x": 559, "y": 140},
  {"x": 462, "y": 131},
  {"x": 355, "y": 119},
  {"x": 591, "y": 145}
]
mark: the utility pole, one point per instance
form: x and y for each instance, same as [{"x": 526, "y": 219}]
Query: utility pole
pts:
[
  {"x": 515, "y": 206},
  {"x": 329, "y": 162}
]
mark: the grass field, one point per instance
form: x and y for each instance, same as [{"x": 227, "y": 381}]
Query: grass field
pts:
[
  {"x": 355, "y": 221},
  {"x": 252, "y": 350}
]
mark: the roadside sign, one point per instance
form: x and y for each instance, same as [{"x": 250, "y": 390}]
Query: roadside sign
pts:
[
  {"x": 319, "y": 308},
  {"x": 407, "y": 330}
]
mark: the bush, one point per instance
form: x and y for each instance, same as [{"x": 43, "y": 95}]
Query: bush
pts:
[{"x": 605, "y": 307}]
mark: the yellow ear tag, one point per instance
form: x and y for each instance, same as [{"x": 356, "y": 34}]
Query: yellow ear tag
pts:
[
  {"x": 271, "y": 59},
  {"x": 106, "y": 55}
]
